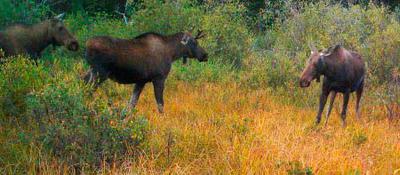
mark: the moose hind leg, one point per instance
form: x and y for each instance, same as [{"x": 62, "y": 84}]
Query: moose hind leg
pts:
[
  {"x": 136, "y": 93},
  {"x": 96, "y": 77},
  {"x": 158, "y": 92},
  {"x": 89, "y": 77},
  {"x": 358, "y": 96},
  {"x": 346, "y": 97},
  {"x": 328, "y": 112}
]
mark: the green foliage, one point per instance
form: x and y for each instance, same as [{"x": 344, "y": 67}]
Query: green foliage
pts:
[
  {"x": 90, "y": 6},
  {"x": 85, "y": 27},
  {"x": 75, "y": 133},
  {"x": 203, "y": 72},
  {"x": 21, "y": 12},
  {"x": 383, "y": 51},
  {"x": 373, "y": 32},
  {"x": 295, "y": 168},
  {"x": 63, "y": 119},
  {"x": 167, "y": 17},
  {"x": 18, "y": 77},
  {"x": 228, "y": 38},
  {"x": 359, "y": 138}
]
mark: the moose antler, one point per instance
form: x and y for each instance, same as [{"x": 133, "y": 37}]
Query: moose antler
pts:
[
  {"x": 200, "y": 34},
  {"x": 123, "y": 16},
  {"x": 60, "y": 16},
  {"x": 312, "y": 47}
]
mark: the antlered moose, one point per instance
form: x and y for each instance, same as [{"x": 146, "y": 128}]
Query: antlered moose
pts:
[
  {"x": 145, "y": 58},
  {"x": 344, "y": 72}
]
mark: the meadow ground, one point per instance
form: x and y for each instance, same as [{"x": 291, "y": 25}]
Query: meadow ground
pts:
[{"x": 226, "y": 129}]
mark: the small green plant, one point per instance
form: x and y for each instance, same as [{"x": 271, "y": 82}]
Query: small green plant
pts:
[
  {"x": 296, "y": 169},
  {"x": 359, "y": 138}
]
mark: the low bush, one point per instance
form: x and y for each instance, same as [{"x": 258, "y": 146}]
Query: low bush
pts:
[
  {"x": 79, "y": 135},
  {"x": 21, "y": 12},
  {"x": 370, "y": 30},
  {"x": 64, "y": 119},
  {"x": 19, "y": 77},
  {"x": 197, "y": 72},
  {"x": 228, "y": 38}
]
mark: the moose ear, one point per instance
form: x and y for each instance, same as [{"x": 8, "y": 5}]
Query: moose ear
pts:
[
  {"x": 185, "y": 39},
  {"x": 60, "y": 16},
  {"x": 313, "y": 48},
  {"x": 200, "y": 34},
  {"x": 336, "y": 48},
  {"x": 332, "y": 50}
]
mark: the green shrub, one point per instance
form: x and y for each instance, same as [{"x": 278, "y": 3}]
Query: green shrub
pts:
[
  {"x": 167, "y": 17},
  {"x": 82, "y": 135},
  {"x": 359, "y": 138},
  {"x": 372, "y": 31},
  {"x": 63, "y": 118},
  {"x": 85, "y": 27},
  {"x": 21, "y": 12},
  {"x": 228, "y": 38},
  {"x": 296, "y": 168},
  {"x": 383, "y": 53},
  {"x": 203, "y": 72},
  {"x": 19, "y": 77}
]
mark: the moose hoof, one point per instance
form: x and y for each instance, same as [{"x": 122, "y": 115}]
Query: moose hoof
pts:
[
  {"x": 344, "y": 124},
  {"x": 160, "y": 108},
  {"x": 317, "y": 122},
  {"x": 326, "y": 123}
]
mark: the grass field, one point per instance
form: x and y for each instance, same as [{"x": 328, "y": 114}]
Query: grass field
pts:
[{"x": 223, "y": 129}]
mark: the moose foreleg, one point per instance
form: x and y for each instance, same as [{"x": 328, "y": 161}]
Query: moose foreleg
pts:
[
  {"x": 322, "y": 102},
  {"x": 328, "y": 112},
  {"x": 346, "y": 97}
]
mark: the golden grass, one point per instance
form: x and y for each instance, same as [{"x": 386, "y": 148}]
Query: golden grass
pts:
[{"x": 223, "y": 129}]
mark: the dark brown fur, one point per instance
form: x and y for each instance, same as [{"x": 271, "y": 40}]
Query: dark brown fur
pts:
[
  {"x": 344, "y": 72},
  {"x": 146, "y": 58},
  {"x": 32, "y": 40}
]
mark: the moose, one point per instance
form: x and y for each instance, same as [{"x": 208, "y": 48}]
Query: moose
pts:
[
  {"x": 343, "y": 71},
  {"x": 145, "y": 58},
  {"x": 32, "y": 40}
]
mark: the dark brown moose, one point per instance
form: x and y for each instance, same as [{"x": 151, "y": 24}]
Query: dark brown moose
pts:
[
  {"x": 145, "y": 58},
  {"x": 32, "y": 40},
  {"x": 344, "y": 72}
]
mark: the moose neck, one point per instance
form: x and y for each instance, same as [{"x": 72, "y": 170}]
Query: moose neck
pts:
[
  {"x": 331, "y": 67},
  {"x": 176, "y": 49},
  {"x": 40, "y": 37}
]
